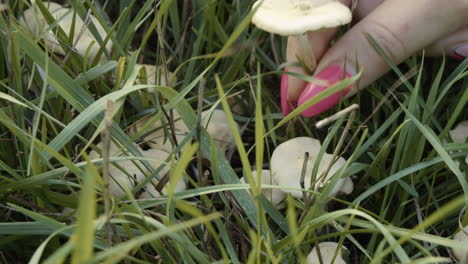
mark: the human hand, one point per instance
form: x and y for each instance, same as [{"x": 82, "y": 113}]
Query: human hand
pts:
[{"x": 401, "y": 28}]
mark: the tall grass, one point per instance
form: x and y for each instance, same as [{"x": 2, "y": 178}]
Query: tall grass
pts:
[{"x": 410, "y": 180}]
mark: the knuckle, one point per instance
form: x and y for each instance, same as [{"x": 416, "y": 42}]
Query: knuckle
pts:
[{"x": 387, "y": 40}]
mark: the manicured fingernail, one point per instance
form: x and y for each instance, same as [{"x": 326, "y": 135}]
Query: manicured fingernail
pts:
[
  {"x": 286, "y": 105},
  {"x": 331, "y": 75},
  {"x": 460, "y": 52}
]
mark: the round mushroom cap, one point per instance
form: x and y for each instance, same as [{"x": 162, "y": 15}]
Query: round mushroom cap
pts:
[
  {"x": 287, "y": 161},
  {"x": 156, "y": 137},
  {"x": 295, "y": 17},
  {"x": 217, "y": 125},
  {"x": 131, "y": 174},
  {"x": 36, "y": 23},
  {"x": 460, "y": 133},
  {"x": 155, "y": 75},
  {"x": 275, "y": 196},
  {"x": 327, "y": 250},
  {"x": 461, "y": 236}
]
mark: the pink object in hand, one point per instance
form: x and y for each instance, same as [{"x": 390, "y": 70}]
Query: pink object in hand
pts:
[{"x": 332, "y": 74}]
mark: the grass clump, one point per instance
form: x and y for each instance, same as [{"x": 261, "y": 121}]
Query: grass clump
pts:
[{"x": 409, "y": 176}]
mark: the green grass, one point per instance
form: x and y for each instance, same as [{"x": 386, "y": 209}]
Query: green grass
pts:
[{"x": 410, "y": 180}]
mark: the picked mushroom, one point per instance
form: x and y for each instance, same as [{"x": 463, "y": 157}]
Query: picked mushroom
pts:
[
  {"x": 460, "y": 133},
  {"x": 158, "y": 135},
  {"x": 275, "y": 196},
  {"x": 295, "y": 18},
  {"x": 217, "y": 125},
  {"x": 287, "y": 161},
  {"x": 327, "y": 251},
  {"x": 461, "y": 236},
  {"x": 34, "y": 20}
]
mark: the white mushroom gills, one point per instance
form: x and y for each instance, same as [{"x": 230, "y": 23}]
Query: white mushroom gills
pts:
[
  {"x": 327, "y": 251},
  {"x": 287, "y": 161},
  {"x": 460, "y": 133},
  {"x": 275, "y": 196},
  {"x": 34, "y": 20},
  {"x": 297, "y": 17},
  {"x": 461, "y": 236}
]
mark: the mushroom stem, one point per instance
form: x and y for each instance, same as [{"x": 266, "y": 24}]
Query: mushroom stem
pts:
[{"x": 307, "y": 60}]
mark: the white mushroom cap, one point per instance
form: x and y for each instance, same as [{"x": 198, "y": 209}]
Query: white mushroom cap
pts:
[
  {"x": 327, "y": 250},
  {"x": 217, "y": 125},
  {"x": 159, "y": 157},
  {"x": 294, "y": 17},
  {"x": 36, "y": 23},
  {"x": 156, "y": 73},
  {"x": 114, "y": 151},
  {"x": 461, "y": 236},
  {"x": 131, "y": 175},
  {"x": 287, "y": 162},
  {"x": 275, "y": 196},
  {"x": 156, "y": 137},
  {"x": 460, "y": 134}
]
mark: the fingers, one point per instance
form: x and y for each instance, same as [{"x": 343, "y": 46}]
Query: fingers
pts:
[
  {"x": 320, "y": 42},
  {"x": 292, "y": 87},
  {"x": 455, "y": 45},
  {"x": 400, "y": 28}
]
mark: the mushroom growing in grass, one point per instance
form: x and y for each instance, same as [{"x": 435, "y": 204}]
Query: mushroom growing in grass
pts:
[
  {"x": 275, "y": 196},
  {"x": 461, "y": 236},
  {"x": 460, "y": 133},
  {"x": 82, "y": 40},
  {"x": 155, "y": 75},
  {"x": 297, "y": 18},
  {"x": 157, "y": 136},
  {"x": 287, "y": 162},
  {"x": 130, "y": 175},
  {"x": 217, "y": 125},
  {"x": 327, "y": 251}
]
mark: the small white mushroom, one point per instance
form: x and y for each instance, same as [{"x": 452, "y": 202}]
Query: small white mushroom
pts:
[
  {"x": 461, "y": 236},
  {"x": 287, "y": 161},
  {"x": 460, "y": 133},
  {"x": 275, "y": 196},
  {"x": 155, "y": 75},
  {"x": 217, "y": 125},
  {"x": 327, "y": 251},
  {"x": 34, "y": 20},
  {"x": 114, "y": 151},
  {"x": 157, "y": 136},
  {"x": 130, "y": 175}
]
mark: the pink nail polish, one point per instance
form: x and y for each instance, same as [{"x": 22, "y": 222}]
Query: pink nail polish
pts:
[
  {"x": 285, "y": 108},
  {"x": 460, "y": 52},
  {"x": 286, "y": 105},
  {"x": 332, "y": 74}
]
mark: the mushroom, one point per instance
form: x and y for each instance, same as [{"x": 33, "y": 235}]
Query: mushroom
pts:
[
  {"x": 34, "y": 20},
  {"x": 296, "y": 18},
  {"x": 156, "y": 136},
  {"x": 114, "y": 151},
  {"x": 275, "y": 196},
  {"x": 287, "y": 161},
  {"x": 131, "y": 175},
  {"x": 217, "y": 125},
  {"x": 460, "y": 133},
  {"x": 461, "y": 236},
  {"x": 155, "y": 75},
  {"x": 327, "y": 251}
]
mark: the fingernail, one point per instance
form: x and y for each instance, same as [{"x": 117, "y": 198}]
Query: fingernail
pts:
[
  {"x": 460, "y": 52},
  {"x": 331, "y": 75},
  {"x": 286, "y": 105}
]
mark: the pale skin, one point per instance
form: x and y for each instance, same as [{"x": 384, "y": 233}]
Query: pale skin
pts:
[{"x": 401, "y": 27}]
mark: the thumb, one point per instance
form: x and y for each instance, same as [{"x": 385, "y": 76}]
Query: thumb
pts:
[{"x": 399, "y": 27}]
